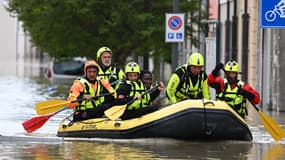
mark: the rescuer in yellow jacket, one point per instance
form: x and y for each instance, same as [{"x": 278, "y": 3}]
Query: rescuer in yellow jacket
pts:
[
  {"x": 107, "y": 70},
  {"x": 85, "y": 89},
  {"x": 189, "y": 81},
  {"x": 134, "y": 88}
]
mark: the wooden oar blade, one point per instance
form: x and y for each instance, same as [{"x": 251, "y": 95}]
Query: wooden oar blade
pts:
[
  {"x": 50, "y": 106},
  {"x": 115, "y": 112},
  {"x": 274, "y": 129},
  {"x": 35, "y": 123}
]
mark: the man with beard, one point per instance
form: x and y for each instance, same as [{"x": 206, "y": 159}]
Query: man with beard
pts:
[{"x": 107, "y": 70}]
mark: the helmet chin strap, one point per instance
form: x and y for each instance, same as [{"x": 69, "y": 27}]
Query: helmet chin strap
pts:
[
  {"x": 231, "y": 80},
  {"x": 91, "y": 81}
]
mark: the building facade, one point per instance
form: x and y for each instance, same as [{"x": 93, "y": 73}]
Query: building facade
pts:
[
  {"x": 17, "y": 53},
  {"x": 258, "y": 50}
]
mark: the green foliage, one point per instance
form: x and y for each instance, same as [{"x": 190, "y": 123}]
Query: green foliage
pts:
[{"x": 66, "y": 28}]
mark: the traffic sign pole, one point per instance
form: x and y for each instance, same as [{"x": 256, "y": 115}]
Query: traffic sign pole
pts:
[
  {"x": 174, "y": 47},
  {"x": 174, "y": 31}
]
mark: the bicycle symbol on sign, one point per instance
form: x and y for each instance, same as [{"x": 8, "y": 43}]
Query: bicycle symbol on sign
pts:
[{"x": 279, "y": 9}]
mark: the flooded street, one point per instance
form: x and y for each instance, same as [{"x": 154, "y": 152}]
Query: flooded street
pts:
[{"x": 20, "y": 92}]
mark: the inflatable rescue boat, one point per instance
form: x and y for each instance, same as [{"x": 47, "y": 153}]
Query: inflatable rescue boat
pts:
[{"x": 186, "y": 120}]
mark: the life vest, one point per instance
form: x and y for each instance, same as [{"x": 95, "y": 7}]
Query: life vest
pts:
[
  {"x": 88, "y": 90},
  {"x": 112, "y": 73},
  {"x": 186, "y": 89},
  {"x": 232, "y": 98},
  {"x": 138, "y": 88}
]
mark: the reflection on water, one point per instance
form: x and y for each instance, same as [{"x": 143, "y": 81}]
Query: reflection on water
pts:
[
  {"x": 161, "y": 149},
  {"x": 109, "y": 151},
  {"x": 49, "y": 87},
  {"x": 200, "y": 150},
  {"x": 275, "y": 151},
  {"x": 20, "y": 93}
]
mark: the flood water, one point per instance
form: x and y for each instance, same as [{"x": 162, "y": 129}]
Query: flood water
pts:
[{"x": 21, "y": 90}]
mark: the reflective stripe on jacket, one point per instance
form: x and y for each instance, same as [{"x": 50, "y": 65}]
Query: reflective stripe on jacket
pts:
[
  {"x": 180, "y": 86},
  {"x": 111, "y": 72},
  {"x": 138, "y": 88},
  {"x": 89, "y": 90},
  {"x": 231, "y": 97}
]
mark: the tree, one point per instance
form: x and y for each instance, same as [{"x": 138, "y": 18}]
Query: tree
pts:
[{"x": 79, "y": 27}]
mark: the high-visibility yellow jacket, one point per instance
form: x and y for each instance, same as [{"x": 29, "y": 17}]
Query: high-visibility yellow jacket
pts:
[
  {"x": 181, "y": 85},
  {"x": 111, "y": 74},
  {"x": 83, "y": 87}
]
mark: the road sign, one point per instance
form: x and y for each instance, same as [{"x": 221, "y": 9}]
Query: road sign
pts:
[
  {"x": 272, "y": 13},
  {"x": 174, "y": 27}
]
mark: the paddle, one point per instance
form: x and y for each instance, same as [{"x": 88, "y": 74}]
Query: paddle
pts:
[
  {"x": 51, "y": 106},
  {"x": 273, "y": 128},
  {"x": 37, "y": 122},
  {"x": 117, "y": 111}
]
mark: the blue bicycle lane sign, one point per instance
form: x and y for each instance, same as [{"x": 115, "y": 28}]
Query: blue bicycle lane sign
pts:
[{"x": 272, "y": 13}]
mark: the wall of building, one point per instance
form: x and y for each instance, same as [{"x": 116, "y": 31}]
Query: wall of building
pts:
[
  {"x": 7, "y": 41},
  {"x": 281, "y": 78},
  {"x": 17, "y": 54},
  {"x": 253, "y": 40},
  {"x": 276, "y": 72},
  {"x": 266, "y": 53},
  {"x": 263, "y": 72},
  {"x": 252, "y": 9},
  {"x": 223, "y": 17}
]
